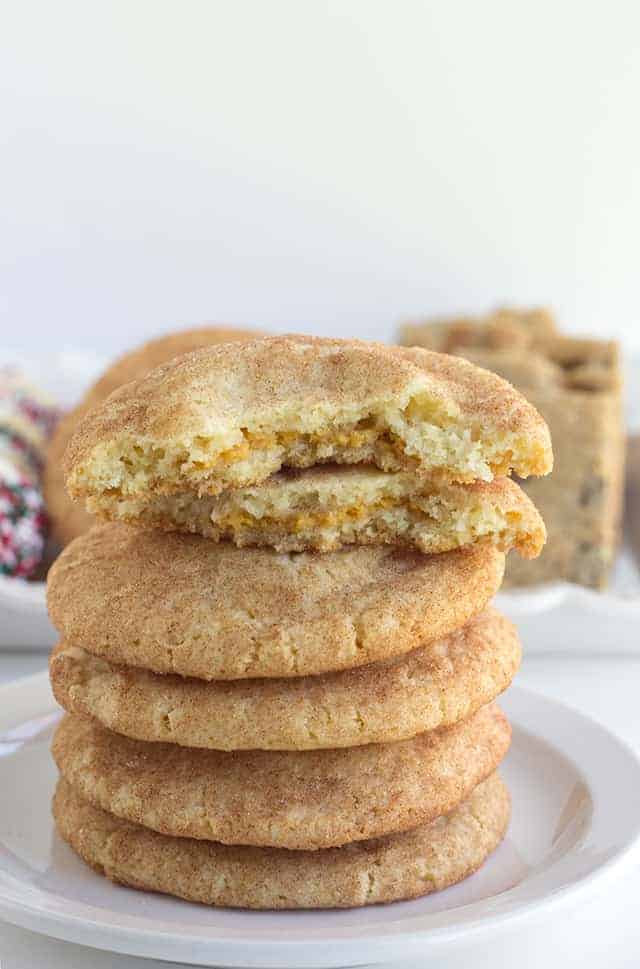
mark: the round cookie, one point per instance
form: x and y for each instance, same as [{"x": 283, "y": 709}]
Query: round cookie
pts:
[
  {"x": 69, "y": 518},
  {"x": 400, "y": 866},
  {"x": 174, "y": 603},
  {"x": 282, "y": 799},
  {"x": 434, "y": 686},
  {"x": 232, "y": 415}
]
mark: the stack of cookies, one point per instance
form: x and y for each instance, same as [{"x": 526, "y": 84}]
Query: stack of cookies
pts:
[{"x": 277, "y": 655}]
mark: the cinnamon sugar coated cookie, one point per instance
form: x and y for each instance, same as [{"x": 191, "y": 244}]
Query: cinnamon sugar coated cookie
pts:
[
  {"x": 176, "y": 603},
  {"x": 232, "y": 415},
  {"x": 399, "y": 866},
  {"x": 434, "y": 686},
  {"x": 298, "y": 800}
]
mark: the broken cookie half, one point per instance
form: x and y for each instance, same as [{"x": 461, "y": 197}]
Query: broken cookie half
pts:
[
  {"x": 325, "y": 508},
  {"x": 233, "y": 415}
]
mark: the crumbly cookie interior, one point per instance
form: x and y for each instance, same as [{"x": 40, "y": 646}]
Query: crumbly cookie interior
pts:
[
  {"x": 421, "y": 435},
  {"x": 364, "y": 509}
]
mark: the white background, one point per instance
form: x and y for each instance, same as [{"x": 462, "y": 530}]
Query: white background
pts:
[{"x": 323, "y": 166}]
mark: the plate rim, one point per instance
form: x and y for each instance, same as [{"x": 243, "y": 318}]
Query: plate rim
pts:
[{"x": 31, "y": 696}]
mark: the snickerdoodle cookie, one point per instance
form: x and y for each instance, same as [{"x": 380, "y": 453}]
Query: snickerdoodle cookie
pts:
[
  {"x": 176, "y": 603},
  {"x": 232, "y": 415},
  {"x": 282, "y": 799},
  {"x": 431, "y": 687},
  {"x": 398, "y": 866}
]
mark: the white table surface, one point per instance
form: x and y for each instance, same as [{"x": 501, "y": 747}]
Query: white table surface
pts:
[{"x": 603, "y": 935}]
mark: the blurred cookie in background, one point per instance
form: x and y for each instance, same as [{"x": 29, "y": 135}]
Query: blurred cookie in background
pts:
[
  {"x": 576, "y": 385},
  {"x": 502, "y": 329},
  {"x": 68, "y": 518},
  {"x": 632, "y": 497}
]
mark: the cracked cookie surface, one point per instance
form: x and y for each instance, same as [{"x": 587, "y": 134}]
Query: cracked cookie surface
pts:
[
  {"x": 230, "y": 416},
  {"x": 435, "y": 685},
  {"x": 298, "y": 800},
  {"x": 174, "y": 603},
  {"x": 400, "y": 866}
]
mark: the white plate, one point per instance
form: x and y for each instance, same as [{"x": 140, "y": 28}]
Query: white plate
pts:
[
  {"x": 564, "y": 618},
  {"x": 576, "y": 816}
]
